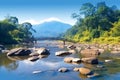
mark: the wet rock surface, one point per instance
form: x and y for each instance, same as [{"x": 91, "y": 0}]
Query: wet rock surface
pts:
[{"x": 19, "y": 52}]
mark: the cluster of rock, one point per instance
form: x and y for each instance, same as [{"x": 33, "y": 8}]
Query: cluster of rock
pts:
[
  {"x": 34, "y": 54},
  {"x": 88, "y": 54}
]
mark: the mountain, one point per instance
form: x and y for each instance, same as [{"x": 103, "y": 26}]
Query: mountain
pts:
[{"x": 50, "y": 29}]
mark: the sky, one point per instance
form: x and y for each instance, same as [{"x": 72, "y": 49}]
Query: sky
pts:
[{"x": 39, "y": 11}]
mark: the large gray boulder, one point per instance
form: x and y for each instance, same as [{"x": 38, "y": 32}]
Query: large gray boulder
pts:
[
  {"x": 19, "y": 52},
  {"x": 91, "y": 60}
]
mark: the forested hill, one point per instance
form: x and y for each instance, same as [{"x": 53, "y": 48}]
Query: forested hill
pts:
[
  {"x": 12, "y": 32},
  {"x": 96, "y": 23}
]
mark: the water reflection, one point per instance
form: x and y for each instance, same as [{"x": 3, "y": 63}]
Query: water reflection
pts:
[{"x": 7, "y": 63}]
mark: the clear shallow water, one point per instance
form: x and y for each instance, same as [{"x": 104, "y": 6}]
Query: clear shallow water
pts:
[{"x": 19, "y": 68}]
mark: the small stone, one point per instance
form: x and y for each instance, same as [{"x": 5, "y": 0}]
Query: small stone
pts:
[
  {"x": 60, "y": 53},
  {"x": 93, "y": 75},
  {"x": 108, "y": 61},
  {"x": 35, "y": 72},
  {"x": 76, "y": 69},
  {"x": 63, "y": 70}
]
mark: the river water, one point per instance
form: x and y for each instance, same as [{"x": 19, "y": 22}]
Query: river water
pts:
[{"x": 19, "y": 68}]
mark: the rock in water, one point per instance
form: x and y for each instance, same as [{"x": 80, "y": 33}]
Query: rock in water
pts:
[
  {"x": 68, "y": 59},
  {"x": 19, "y": 52},
  {"x": 63, "y": 70},
  {"x": 90, "y": 52},
  {"x": 76, "y": 60},
  {"x": 85, "y": 71},
  {"x": 76, "y": 69},
  {"x": 35, "y": 72},
  {"x": 43, "y": 51},
  {"x": 61, "y": 53},
  {"x": 90, "y": 60}
]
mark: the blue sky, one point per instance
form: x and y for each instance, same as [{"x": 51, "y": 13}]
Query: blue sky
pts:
[{"x": 37, "y": 11}]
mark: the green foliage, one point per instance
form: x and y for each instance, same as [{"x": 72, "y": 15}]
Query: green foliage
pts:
[
  {"x": 12, "y": 32},
  {"x": 101, "y": 23}
]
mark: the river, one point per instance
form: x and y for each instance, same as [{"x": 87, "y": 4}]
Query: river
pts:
[{"x": 19, "y": 68}]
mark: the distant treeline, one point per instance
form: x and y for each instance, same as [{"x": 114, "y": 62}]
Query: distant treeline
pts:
[
  {"x": 96, "y": 23},
  {"x": 12, "y": 32}
]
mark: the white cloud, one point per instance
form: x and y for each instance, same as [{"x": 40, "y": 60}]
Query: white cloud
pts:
[
  {"x": 32, "y": 21},
  {"x": 50, "y": 19}
]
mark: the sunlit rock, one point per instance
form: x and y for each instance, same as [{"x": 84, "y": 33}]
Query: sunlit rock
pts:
[
  {"x": 76, "y": 60},
  {"x": 34, "y": 54},
  {"x": 76, "y": 69},
  {"x": 85, "y": 71},
  {"x": 43, "y": 51},
  {"x": 62, "y": 53},
  {"x": 68, "y": 59}
]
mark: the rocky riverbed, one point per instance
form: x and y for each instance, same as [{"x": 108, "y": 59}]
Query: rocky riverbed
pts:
[{"x": 51, "y": 60}]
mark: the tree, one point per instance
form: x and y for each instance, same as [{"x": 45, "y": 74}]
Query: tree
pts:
[
  {"x": 87, "y": 9},
  {"x": 13, "y": 20}
]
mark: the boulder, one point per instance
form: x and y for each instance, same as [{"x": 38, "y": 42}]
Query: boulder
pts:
[
  {"x": 43, "y": 51},
  {"x": 62, "y": 53},
  {"x": 63, "y": 69},
  {"x": 33, "y": 58},
  {"x": 85, "y": 71},
  {"x": 19, "y": 52},
  {"x": 68, "y": 59},
  {"x": 91, "y": 60},
  {"x": 90, "y": 52}
]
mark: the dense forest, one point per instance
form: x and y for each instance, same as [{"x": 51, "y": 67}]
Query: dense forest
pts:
[
  {"x": 95, "y": 23},
  {"x": 12, "y": 32}
]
